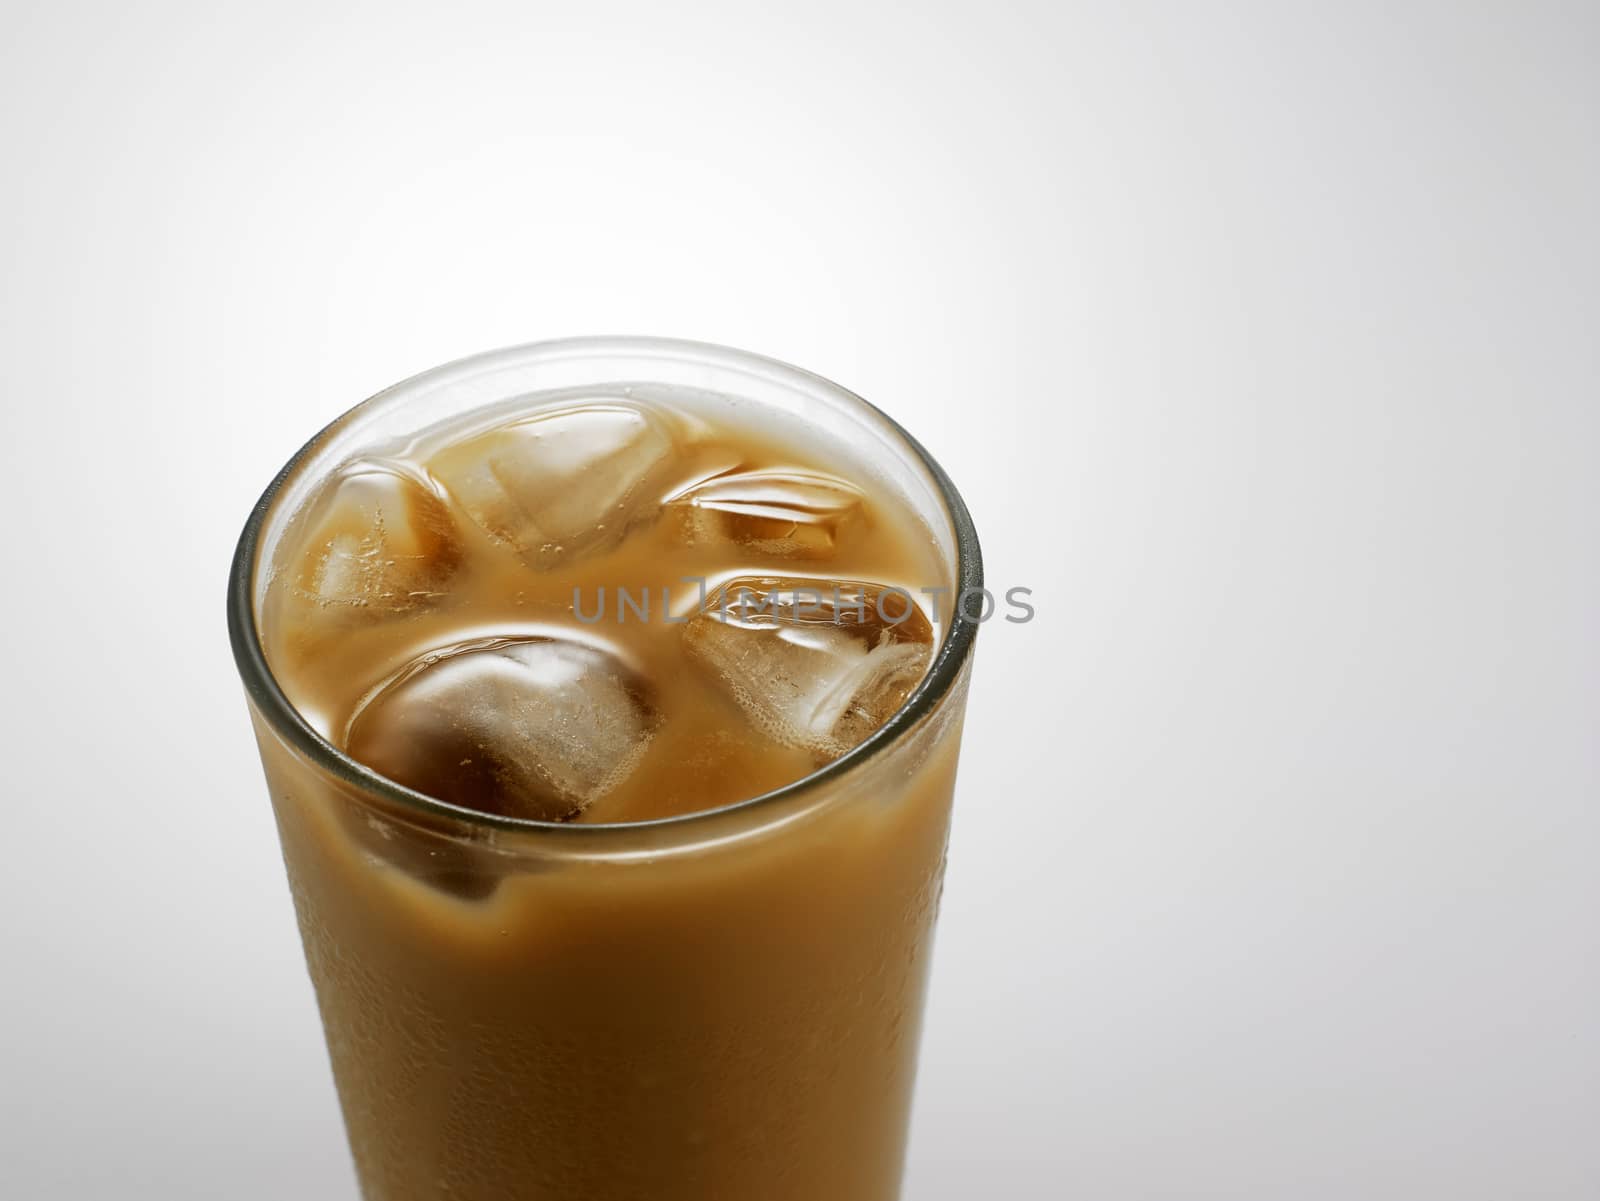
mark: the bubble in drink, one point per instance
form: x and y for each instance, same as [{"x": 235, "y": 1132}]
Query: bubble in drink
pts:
[
  {"x": 531, "y": 727},
  {"x": 813, "y": 663},
  {"x": 382, "y": 542},
  {"x": 561, "y": 484},
  {"x": 789, "y": 514}
]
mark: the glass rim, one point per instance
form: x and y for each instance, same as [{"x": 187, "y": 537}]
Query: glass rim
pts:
[{"x": 273, "y": 704}]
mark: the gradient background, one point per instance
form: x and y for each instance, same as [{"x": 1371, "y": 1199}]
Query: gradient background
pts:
[{"x": 1261, "y": 340}]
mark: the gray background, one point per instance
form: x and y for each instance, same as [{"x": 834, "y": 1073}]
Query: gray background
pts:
[{"x": 1261, "y": 339}]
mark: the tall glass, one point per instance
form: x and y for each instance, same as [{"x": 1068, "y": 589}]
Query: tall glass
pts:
[{"x": 723, "y": 1006}]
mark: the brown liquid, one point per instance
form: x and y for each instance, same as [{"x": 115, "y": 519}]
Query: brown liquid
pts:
[
  {"x": 515, "y": 1017},
  {"x": 738, "y": 503}
]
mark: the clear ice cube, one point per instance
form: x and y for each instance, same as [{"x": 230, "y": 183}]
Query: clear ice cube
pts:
[
  {"x": 531, "y": 727},
  {"x": 814, "y": 663},
  {"x": 563, "y": 483},
  {"x": 382, "y": 541},
  {"x": 788, "y": 514}
]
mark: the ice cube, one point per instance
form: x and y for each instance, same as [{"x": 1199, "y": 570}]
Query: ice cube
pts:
[
  {"x": 462, "y": 868},
  {"x": 790, "y": 514},
  {"x": 563, "y": 483},
  {"x": 382, "y": 541},
  {"x": 814, "y": 663},
  {"x": 531, "y": 727}
]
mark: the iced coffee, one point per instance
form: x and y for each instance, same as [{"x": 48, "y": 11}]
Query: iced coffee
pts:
[{"x": 611, "y": 728}]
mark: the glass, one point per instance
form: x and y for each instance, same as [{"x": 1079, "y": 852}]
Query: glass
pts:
[{"x": 719, "y": 1005}]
